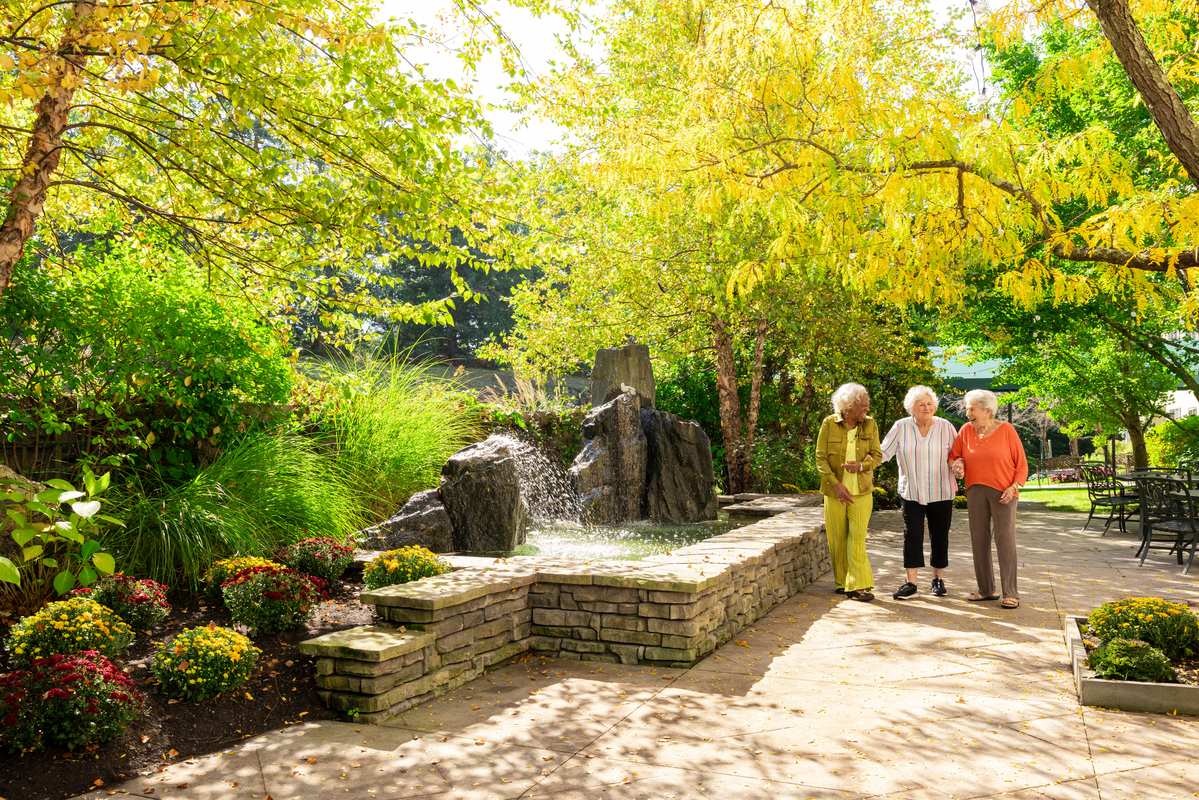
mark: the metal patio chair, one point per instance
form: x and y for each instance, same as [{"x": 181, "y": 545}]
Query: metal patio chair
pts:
[
  {"x": 1104, "y": 491},
  {"x": 1167, "y": 507}
]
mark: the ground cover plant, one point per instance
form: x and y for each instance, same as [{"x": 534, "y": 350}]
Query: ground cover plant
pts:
[
  {"x": 1132, "y": 660},
  {"x": 321, "y": 556},
  {"x": 140, "y": 603},
  {"x": 203, "y": 662},
  {"x": 403, "y": 565},
  {"x": 68, "y": 701},
  {"x": 64, "y": 627},
  {"x": 272, "y": 599}
]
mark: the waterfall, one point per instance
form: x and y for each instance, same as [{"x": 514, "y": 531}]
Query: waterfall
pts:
[{"x": 544, "y": 484}]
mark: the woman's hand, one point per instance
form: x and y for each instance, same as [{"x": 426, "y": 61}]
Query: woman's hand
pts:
[
  {"x": 1009, "y": 494},
  {"x": 843, "y": 494},
  {"x": 958, "y": 467},
  {"x": 853, "y": 467}
]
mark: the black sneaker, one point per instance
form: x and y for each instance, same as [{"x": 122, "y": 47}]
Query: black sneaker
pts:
[
  {"x": 939, "y": 587},
  {"x": 905, "y": 591}
]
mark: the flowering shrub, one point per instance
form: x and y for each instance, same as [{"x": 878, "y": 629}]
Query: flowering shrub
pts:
[
  {"x": 227, "y": 568},
  {"x": 140, "y": 603},
  {"x": 66, "y": 700},
  {"x": 320, "y": 556},
  {"x": 403, "y": 565},
  {"x": 272, "y": 598},
  {"x": 1131, "y": 660},
  {"x": 203, "y": 662},
  {"x": 1170, "y": 627},
  {"x": 65, "y": 627}
]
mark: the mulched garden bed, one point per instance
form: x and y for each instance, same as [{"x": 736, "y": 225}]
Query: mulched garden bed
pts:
[{"x": 281, "y": 692}]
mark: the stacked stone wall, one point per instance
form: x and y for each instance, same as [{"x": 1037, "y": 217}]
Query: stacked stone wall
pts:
[{"x": 669, "y": 610}]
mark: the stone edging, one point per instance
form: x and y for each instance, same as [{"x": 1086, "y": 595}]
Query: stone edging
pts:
[
  {"x": 1159, "y": 698},
  {"x": 668, "y": 610}
]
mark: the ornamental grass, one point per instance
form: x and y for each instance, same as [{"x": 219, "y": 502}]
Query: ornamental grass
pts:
[
  {"x": 403, "y": 565},
  {"x": 66, "y": 627},
  {"x": 201, "y": 663}
]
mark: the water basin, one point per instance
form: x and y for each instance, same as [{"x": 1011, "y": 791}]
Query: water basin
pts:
[{"x": 629, "y": 542}]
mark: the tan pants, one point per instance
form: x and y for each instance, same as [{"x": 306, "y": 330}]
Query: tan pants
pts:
[{"x": 984, "y": 508}]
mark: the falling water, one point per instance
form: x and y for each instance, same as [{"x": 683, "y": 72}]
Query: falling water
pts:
[
  {"x": 544, "y": 484},
  {"x": 560, "y": 528}
]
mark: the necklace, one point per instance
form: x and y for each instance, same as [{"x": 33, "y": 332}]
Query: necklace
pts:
[{"x": 991, "y": 429}]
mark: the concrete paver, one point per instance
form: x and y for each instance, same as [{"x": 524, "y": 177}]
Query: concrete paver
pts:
[{"x": 925, "y": 699}]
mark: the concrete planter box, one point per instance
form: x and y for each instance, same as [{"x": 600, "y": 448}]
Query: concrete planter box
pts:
[{"x": 1158, "y": 698}]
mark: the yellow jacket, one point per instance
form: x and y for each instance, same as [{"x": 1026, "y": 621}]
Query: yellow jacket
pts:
[{"x": 830, "y": 453}]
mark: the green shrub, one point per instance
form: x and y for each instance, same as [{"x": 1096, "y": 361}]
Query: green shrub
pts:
[
  {"x": 783, "y": 464},
  {"x": 403, "y": 565},
  {"x": 389, "y": 428},
  {"x": 132, "y": 352},
  {"x": 1131, "y": 660},
  {"x": 320, "y": 556},
  {"x": 1171, "y": 442},
  {"x": 885, "y": 497},
  {"x": 56, "y": 553},
  {"x": 1170, "y": 627},
  {"x": 67, "y": 700},
  {"x": 267, "y": 599},
  {"x": 142, "y": 604},
  {"x": 65, "y": 627},
  {"x": 263, "y": 493},
  {"x": 203, "y": 662},
  {"x": 226, "y": 568}
]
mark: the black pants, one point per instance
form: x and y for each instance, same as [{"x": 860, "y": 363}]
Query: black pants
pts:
[{"x": 938, "y": 515}]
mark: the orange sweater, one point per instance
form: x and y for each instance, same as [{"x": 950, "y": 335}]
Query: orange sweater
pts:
[{"x": 997, "y": 461}]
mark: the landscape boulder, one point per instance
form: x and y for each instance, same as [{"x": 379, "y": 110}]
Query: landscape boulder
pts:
[
  {"x": 422, "y": 521},
  {"x": 619, "y": 368},
  {"x": 680, "y": 488},
  {"x": 608, "y": 475},
  {"x": 480, "y": 489}
]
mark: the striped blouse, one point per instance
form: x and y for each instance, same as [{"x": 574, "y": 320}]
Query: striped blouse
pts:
[{"x": 924, "y": 475}]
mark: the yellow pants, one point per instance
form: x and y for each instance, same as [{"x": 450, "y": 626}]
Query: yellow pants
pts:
[{"x": 845, "y": 527}]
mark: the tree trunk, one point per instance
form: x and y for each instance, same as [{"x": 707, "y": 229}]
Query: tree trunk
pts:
[
  {"x": 42, "y": 153},
  {"x": 1136, "y": 435},
  {"x": 1168, "y": 110},
  {"x": 805, "y": 401},
  {"x": 736, "y": 458},
  {"x": 1074, "y": 446},
  {"x": 755, "y": 385}
]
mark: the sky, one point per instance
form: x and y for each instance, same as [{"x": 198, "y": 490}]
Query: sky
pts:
[{"x": 538, "y": 45}]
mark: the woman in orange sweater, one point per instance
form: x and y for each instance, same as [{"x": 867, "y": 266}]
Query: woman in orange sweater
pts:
[{"x": 988, "y": 453}]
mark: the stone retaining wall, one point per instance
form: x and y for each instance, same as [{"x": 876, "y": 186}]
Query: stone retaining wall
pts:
[{"x": 669, "y": 610}]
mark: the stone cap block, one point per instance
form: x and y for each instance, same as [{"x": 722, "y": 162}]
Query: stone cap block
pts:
[
  {"x": 440, "y": 591},
  {"x": 367, "y": 643}
]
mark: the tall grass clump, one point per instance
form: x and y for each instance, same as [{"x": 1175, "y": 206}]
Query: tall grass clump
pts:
[
  {"x": 267, "y": 491},
  {"x": 389, "y": 426}
]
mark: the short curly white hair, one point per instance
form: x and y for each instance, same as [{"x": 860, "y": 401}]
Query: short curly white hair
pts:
[
  {"x": 915, "y": 393},
  {"x": 847, "y": 395},
  {"x": 981, "y": 398}
]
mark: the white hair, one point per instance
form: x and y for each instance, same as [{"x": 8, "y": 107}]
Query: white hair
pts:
[
  {"x": 981, "y": 398},
  {"x": 915, "y": 393},
  {"x": 848, "y": 395}
]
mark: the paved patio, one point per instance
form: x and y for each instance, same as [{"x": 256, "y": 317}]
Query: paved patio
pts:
[{"x": 823, "y": 698}]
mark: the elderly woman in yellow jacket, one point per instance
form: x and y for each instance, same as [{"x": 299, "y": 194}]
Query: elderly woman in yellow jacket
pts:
[{"x": 847, "y": 451}]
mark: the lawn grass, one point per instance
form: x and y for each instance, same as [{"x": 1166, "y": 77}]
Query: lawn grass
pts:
[{"x": 1056, "y": 499}]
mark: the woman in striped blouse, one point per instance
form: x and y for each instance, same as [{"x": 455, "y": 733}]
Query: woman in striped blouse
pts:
[{"x": 921, "y": 444}]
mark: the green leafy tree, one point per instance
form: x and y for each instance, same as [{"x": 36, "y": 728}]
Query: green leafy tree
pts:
[{"x": 270, "y": 138}]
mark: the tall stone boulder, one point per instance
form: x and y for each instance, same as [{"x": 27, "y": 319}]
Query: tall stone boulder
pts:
[
  {"x": 480, "y": 489},
  {"x": 679, "y": 480},
  {"x": 423, "y": 521},
  {"x": 608, "y": 475},
  {"x": 622, "y": 366}
]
